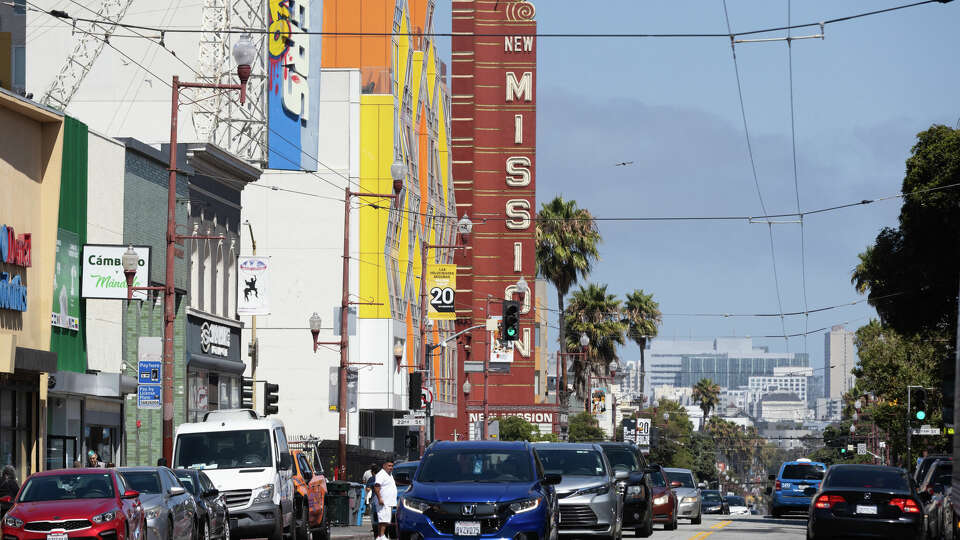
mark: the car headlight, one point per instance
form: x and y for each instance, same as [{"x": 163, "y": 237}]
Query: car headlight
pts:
[
  {"x": 154, "y": 513},
  {"x": 11, "y": 521},
  {"x": 689, "y": 500},
  {"x": 415, "y": 505},
  {"x": 525, "y": 505},
  {"x": 634, "y": 490},
  {"x": 595, "y": 490},
  {"x": 265, "y": 494},
  {"x": 661, "y": 499},
  {"x": 104, "y": 517}
]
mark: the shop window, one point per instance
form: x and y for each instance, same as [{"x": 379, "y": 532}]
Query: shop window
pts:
[
  {"x": 102, "y": 440},
  {"x": 61, "y": 452},
  {"x": 198, "y": 388}
]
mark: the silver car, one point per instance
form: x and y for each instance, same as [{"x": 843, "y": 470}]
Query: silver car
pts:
[
  {"x": 689, "y": 499},
  {"x": 171, "y": 511},
  {"x": 590, "y": 504}
]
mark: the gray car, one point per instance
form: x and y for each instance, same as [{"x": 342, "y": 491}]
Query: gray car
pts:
[
  {"x": 590, "y": 504},
  {"x": 689, "y": 499},
  {"x": 170, "y": 510}
]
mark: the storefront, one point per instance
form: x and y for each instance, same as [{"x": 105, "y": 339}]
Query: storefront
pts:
[
  {"x": 85, "y": 413},
  {"x": 214, "y": 365}
]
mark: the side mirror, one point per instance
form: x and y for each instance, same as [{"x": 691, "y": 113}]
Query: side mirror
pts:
[
  {"x": 176, "y": 490},
  {"x": 285, "y": 461},
  {"x": 551, "y": 479},
  {"x": 128, "y": 494},
  {"x": 768, "y": 490},
  {"x": 621, "y": 475},
  {"x": 212, "y": 492},
  {"x": 771, "y": 477},
  {"x": 675, "y": 484}
]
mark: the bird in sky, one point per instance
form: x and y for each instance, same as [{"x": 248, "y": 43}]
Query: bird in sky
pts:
[{"x": 623, "y": 164}]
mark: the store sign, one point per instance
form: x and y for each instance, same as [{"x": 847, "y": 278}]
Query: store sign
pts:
[
  {"x": 66, "y": 282},
  {"x": 215, "y": 339},
  {"x": 15, "y": 249},
  {"x": 441, "y": 291},
  {"x": 253, "y": 296},
  {"x": 102, "y": 272}
]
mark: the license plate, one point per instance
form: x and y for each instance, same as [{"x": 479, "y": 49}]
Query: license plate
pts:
[
  {"x": 57, "y": 536},
  {"x": 866, "y": 509},
  {"x": 466, "y": 528}
]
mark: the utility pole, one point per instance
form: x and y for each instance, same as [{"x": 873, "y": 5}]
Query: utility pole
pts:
[{"x": 254, "y": 349}]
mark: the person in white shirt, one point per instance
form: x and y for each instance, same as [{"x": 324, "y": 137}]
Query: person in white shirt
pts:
[{"x": 385, "y": 490}]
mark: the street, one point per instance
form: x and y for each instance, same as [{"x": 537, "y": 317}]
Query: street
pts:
[{"x": 729, "y": 528}]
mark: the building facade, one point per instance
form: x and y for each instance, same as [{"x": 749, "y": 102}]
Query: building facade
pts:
[
  {"x": 13, "y": 46},
  {"x": 838, "y": 362}
]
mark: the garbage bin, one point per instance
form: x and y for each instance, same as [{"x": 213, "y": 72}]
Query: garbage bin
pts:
[{"x": 338, "y": 503}]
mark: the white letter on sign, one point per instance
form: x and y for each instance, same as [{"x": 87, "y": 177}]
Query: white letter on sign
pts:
[
  {"x": 520, "y": 89},
  {"x": 518, "y": 210},
  {"x": 518, "y": 166}
]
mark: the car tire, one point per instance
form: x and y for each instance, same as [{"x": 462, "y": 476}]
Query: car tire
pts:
[
  {"x": 697, "y": 520},
  {"x": 278, "y": 526},
  {"x": 225, "y": 533},
  {"x": 647, "y": 529},
  {"x": 323, "y": 532},
  {"x": 301, "y": 522},
  {"x": 169, "y": 529},
  {"x": 775, "y": 512}
]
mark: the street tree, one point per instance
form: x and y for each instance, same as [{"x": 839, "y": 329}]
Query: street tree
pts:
[
  {"x": 674, "y": 430},
  {"x": 594, "y": 312},
  {"x": 706, "y": 394},
  {"x": 642, "y": 315},
  {"x": 567, "y": 239},
  {"x": 584, "y": 427},
  {"x": 514, "y": 428}
]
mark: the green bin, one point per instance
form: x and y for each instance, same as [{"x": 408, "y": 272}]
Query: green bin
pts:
[{"x": 338, "y": 503}]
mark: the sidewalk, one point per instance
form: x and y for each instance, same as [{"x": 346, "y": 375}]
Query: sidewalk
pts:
[{"x": 351, "y": 533}]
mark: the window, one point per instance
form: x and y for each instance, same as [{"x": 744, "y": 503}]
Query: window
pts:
[
  {"x": 303, "y": 465},
  {"x": 147, "y": 482},
  {"x": 866, "y": 477},
  {"x": 475, "y": 465},
  {"x": 685, "y": 478},
  {"x": 802, "y": 472},
  {"x": 224, "y": 450},
  {"x": 572, "y": 462},
  {"x": 64, "y": 487}
]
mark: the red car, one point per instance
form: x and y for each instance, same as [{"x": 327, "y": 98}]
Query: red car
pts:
[
  {"x": 664, "y": 500},
  {"x": 72, "y": 503}
]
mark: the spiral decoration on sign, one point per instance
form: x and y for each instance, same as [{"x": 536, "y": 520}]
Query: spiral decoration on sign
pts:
[{"x": 520, "y": 10}]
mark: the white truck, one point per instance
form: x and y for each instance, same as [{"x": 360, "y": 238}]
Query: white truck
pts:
[{"x": 248, "y": 460}]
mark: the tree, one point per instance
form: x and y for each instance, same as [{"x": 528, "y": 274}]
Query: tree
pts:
[
  {"x": 706, "y": 393},
  {"x": 911, "y": 271},
  {"x": 672, "y": 447},
  {"x": 594, "y": 312},
  {"x": 514, "y": 428},
  {"x": 567, "y": 239},
  {"x": 643, "y": 317},
  {"x": 584, "y": 427}
]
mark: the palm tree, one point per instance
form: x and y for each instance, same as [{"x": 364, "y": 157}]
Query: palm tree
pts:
[
  {"x": 595, "y": 313},
  {"x": 643, "y": 316},
  {"x": 567, "y": 239},
  {"x": 706, "y": 393}
]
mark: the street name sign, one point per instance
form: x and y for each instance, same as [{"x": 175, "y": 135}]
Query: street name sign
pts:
[{"x": 408, "y": 421}]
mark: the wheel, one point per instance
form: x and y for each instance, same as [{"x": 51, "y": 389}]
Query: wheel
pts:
[
  {"x": 647, "y": 529},
  {"x": 225, "y": 535},
  {"x": 672, "y": 526},
  {"x": 169, "y": 529},
  {"x": 302, "y": 522},
  {"x": 278, "y": 526},
  {"x": 697, "y": 520},
  {"x": 202, "y": 531},
  {"x": 323, "y": 532},
  {"x": 775, "y": 512}
]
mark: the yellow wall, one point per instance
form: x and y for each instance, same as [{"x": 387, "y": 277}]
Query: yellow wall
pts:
[
  {"x": 31, "y": 150},
  {"x": 376, "y": 157}
]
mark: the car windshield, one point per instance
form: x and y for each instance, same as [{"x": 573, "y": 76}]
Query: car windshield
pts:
[
  {"x": 403, "y": 473},
  {"x": 736, "y": 501},
  {"x": 572, "y": 462},
  {"x": 867, "y": 477},
  {"x": 656, "y": 480},
  {"x": 802, "y": 472},
  {"x": 143, "y": 481},
  {"x": 685, "y": 478},
  {"x": 712, "y": 497},
  {"x": 64, "y": 487},
  {"x": 475, "y": 465},
  {"x": 187, "y": 481},
  {"x": 238, "y": 449},
  {"x": 622, "y": 459}
]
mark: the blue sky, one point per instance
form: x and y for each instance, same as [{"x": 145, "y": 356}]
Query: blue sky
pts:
[{"x": 671, "y": 106}]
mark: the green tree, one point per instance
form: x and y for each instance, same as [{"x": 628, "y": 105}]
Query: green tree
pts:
[
  {"x": 672, "y": 447},
  {"x": 910, "y": 272},
  {"x": 593, "y": 312},
  {"x": 584, "y": 427},
  {"x": 643, "y": 318},
  {"x": 706, "y": 394},
  {"x": 567, "y": 239},
  {"x": 514, "y": 428}
]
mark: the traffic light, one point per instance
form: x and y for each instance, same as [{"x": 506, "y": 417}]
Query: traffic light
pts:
[
  {"x": 416, "y": 389},
  {"x": 270, "y": 398},
  {"x": 413, "y": 444},
  {"x": 246, "y": 393},
  {"x": 919, "y": 402},
  {"x": 511, "y": 321}
]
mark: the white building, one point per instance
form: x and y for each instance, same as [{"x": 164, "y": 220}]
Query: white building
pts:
[
  {"x": 768, "y": 385},
  {"x": 829, "y": 409},
  {"x": 681, "y": 395},
  {"x": 782, "y": 407},
  {"x": 838, "y": 362}
]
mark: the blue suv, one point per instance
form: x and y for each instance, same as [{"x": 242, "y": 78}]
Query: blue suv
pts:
[
  {"x": 795, "y": 485},
  {"x": 480, "y": 489}
]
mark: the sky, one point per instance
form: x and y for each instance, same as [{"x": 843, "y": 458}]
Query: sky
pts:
[{"x": 671, "y": 106}]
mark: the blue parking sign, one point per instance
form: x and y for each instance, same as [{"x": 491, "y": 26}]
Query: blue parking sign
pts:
[
  {"x": 149, "y": 396},
  {"x": 149, "y": 372}
]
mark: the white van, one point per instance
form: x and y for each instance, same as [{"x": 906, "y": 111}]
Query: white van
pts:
[{"x": 248, "y": 460}]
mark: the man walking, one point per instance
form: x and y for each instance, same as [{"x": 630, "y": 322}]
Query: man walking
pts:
[
  {"x": 369, "y": 481},
  {"x": 385, "y": 492}
]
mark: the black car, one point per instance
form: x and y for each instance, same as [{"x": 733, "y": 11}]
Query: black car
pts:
[
  {"x": 865, "y": 500},
  {"x": 212, "y": 514},
  {"x": 924, "y": 464},
  {"x": 932, "y": 492},
  {"x": 637, "y": 503},
  {"x": 713, "y": 502}
]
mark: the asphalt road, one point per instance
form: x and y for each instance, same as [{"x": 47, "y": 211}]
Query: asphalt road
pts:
[{"x": 735, "y": 528}]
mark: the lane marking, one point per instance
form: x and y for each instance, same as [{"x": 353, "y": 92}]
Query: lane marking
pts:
[{"x": 703, "y": 534}]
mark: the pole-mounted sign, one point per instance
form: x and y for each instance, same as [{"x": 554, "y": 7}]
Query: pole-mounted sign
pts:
[{"x": 441, "y": 290}]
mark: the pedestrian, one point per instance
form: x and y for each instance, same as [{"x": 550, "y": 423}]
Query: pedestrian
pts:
[
  {"x": 8, "y": 482},
  {"x": 370, "y": 480},
  {"x": 385, "y": 490},
  {"x": 93, "y": 460}
]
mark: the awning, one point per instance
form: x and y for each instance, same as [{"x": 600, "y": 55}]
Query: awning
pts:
[
  {"x": 215, "y": 363},
  {"x": 35, "y": 360}
]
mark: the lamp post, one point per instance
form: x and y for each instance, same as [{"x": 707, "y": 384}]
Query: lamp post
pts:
[
  {"x": 522, "y": 289},
  {"x": 244, "y": 52},
  {"x": 464, "y": 228}
]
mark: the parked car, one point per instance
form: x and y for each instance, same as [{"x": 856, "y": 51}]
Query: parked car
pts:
[
  {"x": 638, "y": 501},
  {"x": 932, "y": 492},
  {"x": 310, "y": 511},
  {"x": 171, "y": 511},
  {"x": 213, "y": 518},
  {"x": 713, "y": 502},
  {"x": 685, "y": 485},
  {"x": 473, "y": 488},
  {"x": 865, "y": 500},
  {"x": 665, "y": 501},
  {"x": 737, "y": 506},
  {"x": 791, "y": 484},
  {"x": 403, "y": 473},
  {"x": 924, "y": 464},
  {"x": 590, "y": 504},
  {"x": 58, "y": 504}
]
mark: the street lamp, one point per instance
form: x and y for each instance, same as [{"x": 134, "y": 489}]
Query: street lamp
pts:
[
  {"x": 467, "y": 387},
  {"x": 522, "y": 287},
  {"x": 398, "y": 352},
  {"x": 398, "y": 171},
  {"x": 465, "y": 227},
  {"x": 130, "y": 261},
  {"x": 244, "y": 52},
  {"x": 584, "y": 340},
  {"x": 315, "y": 322}
]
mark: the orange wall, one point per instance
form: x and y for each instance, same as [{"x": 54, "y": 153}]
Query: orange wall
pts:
[{"x": 357, "y": 16}]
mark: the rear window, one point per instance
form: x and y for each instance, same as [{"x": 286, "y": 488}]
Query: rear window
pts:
[
  {"x": 802, "y": 472},
  {"x": 867, "y": 478},
  {"x": 685, "y": 478},
  {"x": 736, "y": 501},
  {"x": 656, "y": 480},
  {"x": 713, "y": 497},
  {"x": 622, "y": 459}
]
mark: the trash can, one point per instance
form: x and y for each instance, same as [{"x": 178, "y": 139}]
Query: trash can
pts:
[{"x": 338, "y": 503}]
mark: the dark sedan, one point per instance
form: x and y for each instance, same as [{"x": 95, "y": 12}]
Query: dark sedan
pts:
[
  {"x": 870, "y": 501},
  {"x": 714, "y": 503},
  {"x": 213, "y": 519}
]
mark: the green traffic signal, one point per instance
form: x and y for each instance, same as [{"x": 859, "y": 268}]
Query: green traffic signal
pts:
[{"x": 921, "y": 415}]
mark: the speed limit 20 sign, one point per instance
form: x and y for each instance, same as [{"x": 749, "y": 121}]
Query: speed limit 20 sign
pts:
[{"x": 441, "y": 291}]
